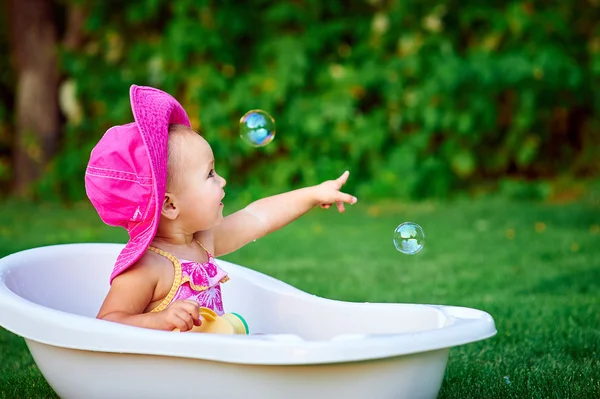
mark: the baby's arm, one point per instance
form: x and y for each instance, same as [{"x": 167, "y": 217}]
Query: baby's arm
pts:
[
  {"x": 272, "y": 213},
  {"x": 130, "y": 294}
]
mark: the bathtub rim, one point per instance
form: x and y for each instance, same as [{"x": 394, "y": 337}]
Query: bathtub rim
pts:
[{"x": 67, "y": 330}]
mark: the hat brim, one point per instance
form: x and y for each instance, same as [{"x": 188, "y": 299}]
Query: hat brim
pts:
[
  {"x": 135, "y": 248},
  {"x": 153, "y": 111}
]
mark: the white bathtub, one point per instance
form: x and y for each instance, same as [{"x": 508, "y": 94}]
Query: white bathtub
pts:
[{"x": 312, "y": 347}]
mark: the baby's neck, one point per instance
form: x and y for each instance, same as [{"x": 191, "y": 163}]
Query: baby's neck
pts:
[
  {"x": 170, "y": 232},
  {"x": 179, "y": 239}
]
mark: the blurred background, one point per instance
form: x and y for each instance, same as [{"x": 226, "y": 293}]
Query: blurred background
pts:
[
  {"x": 479, "y": 120},
  {"x": 417, "y": 98}
]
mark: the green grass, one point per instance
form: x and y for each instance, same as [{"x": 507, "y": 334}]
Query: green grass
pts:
[{"x": 534, "y": 267}]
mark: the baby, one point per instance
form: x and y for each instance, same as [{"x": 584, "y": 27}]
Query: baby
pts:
[{"x": 156, "y": 178}]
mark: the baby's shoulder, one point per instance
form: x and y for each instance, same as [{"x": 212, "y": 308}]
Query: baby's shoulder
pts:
[{"x": 152, "y": 264}]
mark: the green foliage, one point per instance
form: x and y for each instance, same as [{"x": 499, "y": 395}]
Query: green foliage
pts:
[{"x": 416, "y": 98}]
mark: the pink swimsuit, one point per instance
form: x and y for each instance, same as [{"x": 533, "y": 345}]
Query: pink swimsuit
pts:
[{"x": 195, "y": 281}]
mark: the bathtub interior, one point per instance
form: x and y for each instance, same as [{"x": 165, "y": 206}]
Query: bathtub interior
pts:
[{"x": 74, "y": 279}]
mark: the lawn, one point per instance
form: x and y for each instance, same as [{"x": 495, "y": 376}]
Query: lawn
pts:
[{"x": 535, "y": 267}]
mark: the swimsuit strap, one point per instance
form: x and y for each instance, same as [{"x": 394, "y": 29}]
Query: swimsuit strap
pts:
[
  {"x": 203, "y": 247},
  {"x": 176, "y": 280}
]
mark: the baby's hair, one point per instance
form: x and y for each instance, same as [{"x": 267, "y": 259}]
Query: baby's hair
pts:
[{"x": 174, "y": 166}]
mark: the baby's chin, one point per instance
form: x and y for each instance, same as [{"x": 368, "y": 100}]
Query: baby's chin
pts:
[{"x": 219, "y": 219}]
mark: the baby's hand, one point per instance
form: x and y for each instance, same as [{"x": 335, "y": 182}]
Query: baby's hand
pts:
[
  {"x": 182, "y": 315},
  {"x": 329, "y": 192}
]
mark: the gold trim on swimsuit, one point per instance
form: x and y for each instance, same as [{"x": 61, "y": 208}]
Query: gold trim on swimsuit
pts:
[
  {"x": 203, "y": 247},
  {"x": 178, "y": 280}
]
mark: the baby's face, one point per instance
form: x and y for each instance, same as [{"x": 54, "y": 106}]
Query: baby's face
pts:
[{"x": 198, "y": 189}]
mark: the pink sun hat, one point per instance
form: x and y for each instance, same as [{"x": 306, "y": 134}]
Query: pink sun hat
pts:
[{"x": 126, "y": 176}]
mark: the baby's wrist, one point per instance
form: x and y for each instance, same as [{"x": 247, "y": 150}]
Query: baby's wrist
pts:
[
  {"x": 154, "y": 321},
  {"x": 313, "y": 195}
]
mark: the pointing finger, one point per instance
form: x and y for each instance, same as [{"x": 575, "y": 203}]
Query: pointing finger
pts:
[{"x": 343, "y": 178}]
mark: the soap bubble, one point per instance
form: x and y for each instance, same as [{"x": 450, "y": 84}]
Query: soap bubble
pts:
[
  {"x": 409, "y": 238},
  {"x": 257, "y": 128}
]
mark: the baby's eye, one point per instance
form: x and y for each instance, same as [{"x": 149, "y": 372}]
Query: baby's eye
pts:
[{"x": 211, "y": 173}]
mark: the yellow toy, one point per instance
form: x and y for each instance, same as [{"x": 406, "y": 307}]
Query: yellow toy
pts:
[{"x": 212, "y": 323}]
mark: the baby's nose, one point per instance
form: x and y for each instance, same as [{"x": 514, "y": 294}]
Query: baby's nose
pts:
[{"x": 223, "y": 182}]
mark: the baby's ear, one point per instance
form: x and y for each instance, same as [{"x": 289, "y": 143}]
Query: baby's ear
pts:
[{"x": 169, "y": 209}]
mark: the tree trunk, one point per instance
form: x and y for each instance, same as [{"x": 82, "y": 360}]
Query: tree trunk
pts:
[{"x": 34, "y": 43}]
